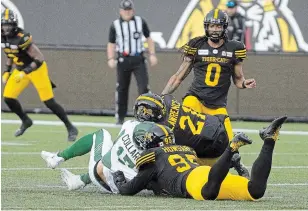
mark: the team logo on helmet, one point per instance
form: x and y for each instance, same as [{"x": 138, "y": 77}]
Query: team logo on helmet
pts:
[{"x": 270, "y": 25}]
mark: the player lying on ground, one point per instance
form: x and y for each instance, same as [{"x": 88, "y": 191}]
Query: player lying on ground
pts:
[
  {"x": 209, "y": 141},
  {"x": 106, "y": 156},
  {"x": 175, "y": 169},
  {"x": 206, "y": 134}
]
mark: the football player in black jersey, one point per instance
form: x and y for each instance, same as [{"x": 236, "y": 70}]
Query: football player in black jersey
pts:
[
  {"x": 29, "y": 66},
  {"x": 174, "y": 168},
  {"x": 205, "y": 133},
  {"x": 214, "y": 60}
]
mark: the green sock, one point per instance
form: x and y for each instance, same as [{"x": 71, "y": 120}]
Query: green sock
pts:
[
  {"x": 78, "y": 148},
  {"x": 85, "y": 178}
]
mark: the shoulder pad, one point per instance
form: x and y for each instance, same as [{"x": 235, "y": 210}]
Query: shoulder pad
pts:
[
  {"x": 147, "y": 156},
  {"x": 25, "y": 40}
]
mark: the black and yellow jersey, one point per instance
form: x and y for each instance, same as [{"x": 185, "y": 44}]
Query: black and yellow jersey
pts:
[
  {"x": 213, "y": 68},
  {"x": 15, "y": 47},
  {"x": 167, "y": 166},
  {"x": 192, "y": 128}
]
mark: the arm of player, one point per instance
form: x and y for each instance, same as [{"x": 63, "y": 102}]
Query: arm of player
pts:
[
  {"x": 138, "y": 183},
  {"x": 178, "y": 77},
  {"x": 239, "y": 80},
  {"x": 151, "y": 45},
  {"x": 111, "y": 47},
  {"x": 34, "y": 52},
  {"x": 7, "y": 70}
]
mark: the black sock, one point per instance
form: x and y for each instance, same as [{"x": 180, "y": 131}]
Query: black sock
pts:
[
  {"x": 261, "y": 169},
  {"x": 15, "y": 107},
  {"x": 217, "y": 174},
  {"x": 59, "y": 111}
]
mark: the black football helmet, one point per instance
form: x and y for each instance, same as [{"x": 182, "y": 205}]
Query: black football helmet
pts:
[
  {"x": 150, "y": 107},
  {"x": 219, "y": 17},
  {"x": 9, "y": 22},
  {"x": 150, "y": 135}
]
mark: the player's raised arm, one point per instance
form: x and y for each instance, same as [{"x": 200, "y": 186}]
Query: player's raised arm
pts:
[{"x": 179, "y": 76}]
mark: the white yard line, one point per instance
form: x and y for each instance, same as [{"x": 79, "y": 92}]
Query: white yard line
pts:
[{"x": 111, "y": 125}]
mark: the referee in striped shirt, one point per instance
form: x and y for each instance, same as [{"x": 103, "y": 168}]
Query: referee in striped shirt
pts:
[{"x": 125, "y": 50}]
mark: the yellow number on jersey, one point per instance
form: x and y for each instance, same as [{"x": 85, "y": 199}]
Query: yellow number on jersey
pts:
[
  {"x": 209, "y": 70},
  {"x": 183, "y": 164},
  {"x": 195, "y": 129}
]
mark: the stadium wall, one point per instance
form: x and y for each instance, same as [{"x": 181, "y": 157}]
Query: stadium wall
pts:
[{"x": 86, "y": 84}]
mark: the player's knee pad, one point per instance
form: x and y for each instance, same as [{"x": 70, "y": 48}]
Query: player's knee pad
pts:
[{"x": 256, "y": 190}]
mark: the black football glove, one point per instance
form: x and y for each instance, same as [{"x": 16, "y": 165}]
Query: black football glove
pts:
[{"x": 119, "y": 178}]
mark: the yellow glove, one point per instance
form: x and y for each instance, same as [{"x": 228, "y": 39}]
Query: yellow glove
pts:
[
  {"x": 5, "y": 77},
  {"x": 19, "y": 76}
]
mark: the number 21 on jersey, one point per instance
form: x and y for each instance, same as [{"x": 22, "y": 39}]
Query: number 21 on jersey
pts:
[{"x": 210, "y": 68}]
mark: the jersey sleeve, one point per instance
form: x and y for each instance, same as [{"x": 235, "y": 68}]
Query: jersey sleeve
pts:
[
  {"x": 189, "y": 49},
  {"x": 145, "y": 29},
  {"x": 25, "y": 40},
  {"x": 112, "y": 34},
  {"x": 138, "y": 183},
  {"x": 239, "y": 52},
  {"x": 146, "y": 157}
]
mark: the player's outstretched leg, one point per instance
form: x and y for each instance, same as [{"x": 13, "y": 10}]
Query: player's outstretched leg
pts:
[
  {"x": 80, "y": 147},
  {"x": 262, "y": 166},
  {"x": 221, "y": 168}
]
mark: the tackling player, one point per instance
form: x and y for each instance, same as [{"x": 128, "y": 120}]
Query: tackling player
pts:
[
  {"x": 106, "y": 156},
  {"x": 30, "y": 66},
  {"x": 175, "y": 169},
  {"x": 205, "y": 133},
  {"x": 214, "y": 60}
]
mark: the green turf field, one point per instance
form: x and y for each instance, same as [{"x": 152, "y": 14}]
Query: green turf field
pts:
[{"x": 27, "y": 183}]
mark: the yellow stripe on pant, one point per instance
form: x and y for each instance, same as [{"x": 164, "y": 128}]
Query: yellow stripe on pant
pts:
[
  {"x": 39, "y": 78},
  {"x": 233, "y": 187}
]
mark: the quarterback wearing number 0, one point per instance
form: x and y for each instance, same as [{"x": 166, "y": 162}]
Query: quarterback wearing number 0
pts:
[{"x": 214, "y": 60}]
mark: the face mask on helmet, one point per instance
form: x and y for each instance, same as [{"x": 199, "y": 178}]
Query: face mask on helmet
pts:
[
  {"x": 148, "y": 108},
  {"x": 7, "y": 29},
  {"x": 214, "y": 32}
]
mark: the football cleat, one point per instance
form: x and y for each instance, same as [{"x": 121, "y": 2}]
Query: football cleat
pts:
[
  {"x": 272, "y": 131},
  {"x": 52, "y": 159},
  {"x": 24, "y": 126},
  {"x": 239, "y": 140},
  {"x": 238, "y": 166},
  {"x": 72, "y": 133},
  {"x": 72, "y": 181}
]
